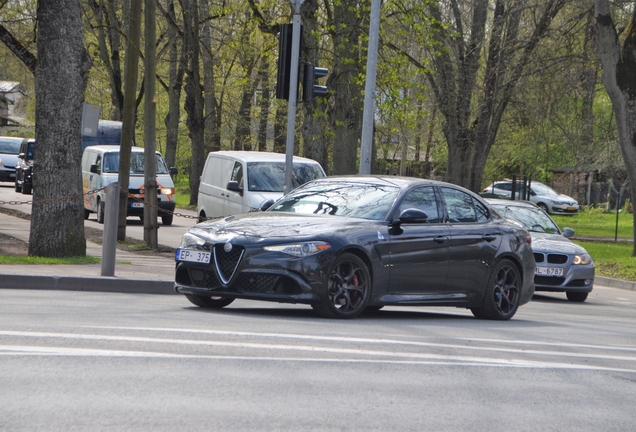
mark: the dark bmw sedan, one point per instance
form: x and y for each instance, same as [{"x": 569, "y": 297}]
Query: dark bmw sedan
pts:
[{"x": 346, "y": 244}]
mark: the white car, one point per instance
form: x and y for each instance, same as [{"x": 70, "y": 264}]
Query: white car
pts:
[{"x": 549, "y": 200}]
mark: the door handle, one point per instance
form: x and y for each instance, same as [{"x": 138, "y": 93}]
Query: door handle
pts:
[
  {"x": 489, "y": 237},
  {"x": 440, "y": 239}
]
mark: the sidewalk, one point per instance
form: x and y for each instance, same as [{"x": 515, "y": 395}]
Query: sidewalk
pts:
[{"x": 134, "y": 273}]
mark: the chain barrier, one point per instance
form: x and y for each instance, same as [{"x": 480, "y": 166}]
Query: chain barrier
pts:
[{"x": 50, "y": 200}]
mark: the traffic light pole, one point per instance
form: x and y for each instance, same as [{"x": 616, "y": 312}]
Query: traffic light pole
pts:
[{"x": 293, "y": 93}]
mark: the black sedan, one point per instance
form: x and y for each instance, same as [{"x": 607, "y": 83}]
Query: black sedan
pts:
[{"x": 346, "y": 244}]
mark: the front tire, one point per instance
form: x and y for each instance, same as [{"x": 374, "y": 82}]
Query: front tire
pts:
[
  {"x": 348, "y": 288},
  {"x": 501, "y": 299},
  {"x": 167, "y": 219},
  {"x": 543, "y": 207},
  {"x": 209, "y": 302},
  {"x": 100, "y": 211},
  {"x": 578, "y": 297},
  {"x": 18, "y": 187},
  {"x": 26, "y": 189}
]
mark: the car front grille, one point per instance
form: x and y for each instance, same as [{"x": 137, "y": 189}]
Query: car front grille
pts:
[
  {"x": 548, "y": 280},
  {"x": 227, "y": 261},
  {"x": 257, "y": 283},
  {"x": 551, "y": 258}
]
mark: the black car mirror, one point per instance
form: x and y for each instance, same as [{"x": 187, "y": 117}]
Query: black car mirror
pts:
[
  {"x": 266, "y": 204},
  {"x": 94, "y": 169},
  {"x": 568, "y": 232},
  {"x": 412, "y": 215},
  {"x": 174, "y": 171},
  {"x": 234, "y": 187}
]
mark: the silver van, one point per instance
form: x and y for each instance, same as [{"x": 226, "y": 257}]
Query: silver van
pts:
[
  {"x": 235, "y": 182},
  {"x": 100, "y": 167}
]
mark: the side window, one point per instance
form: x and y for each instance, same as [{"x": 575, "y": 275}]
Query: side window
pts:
[
  {"x": 459, "y": 206},
  {"x": 422, "y": 198},
  {"x": 98, "y": 162},
  {"x": 504, "y": 186},
  {"x": 482, "y": 212},
  {"x": 237, "y": 174}
]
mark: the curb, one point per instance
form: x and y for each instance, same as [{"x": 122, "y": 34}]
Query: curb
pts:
[
  {"x": 93, "y": 284},
  {"x": 615, "y": 283}
]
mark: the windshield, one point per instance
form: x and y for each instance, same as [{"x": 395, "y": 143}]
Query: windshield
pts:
[
  {"x": 366, "y": 201},
  {"x": 111, "y": 163},
  {"x": 270, "y": 176},
  {"x": 10, "y": 145},
  {"x": 542, "y": 189},
  {"x": 534, "y": 219}
]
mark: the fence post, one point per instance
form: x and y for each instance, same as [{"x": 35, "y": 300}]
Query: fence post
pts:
[{"x": 109, "y": 239}]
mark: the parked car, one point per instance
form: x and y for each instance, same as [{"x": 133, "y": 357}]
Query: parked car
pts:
[
  {"x": 542, "y": 195},
  {"x": 24, "y": 168},
  {"x": 235, "y": 182},
  {"x": 9, "y": 150},
  {"x": 562, "y": 266},
  {"x": 346, "y": 244}
]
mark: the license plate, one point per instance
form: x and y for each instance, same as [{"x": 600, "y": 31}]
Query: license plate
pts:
[
  {"x": 549, "y": 271},
  {"x": 11, "y": 175},
  {"x": 571, "y": 208},
  {"x": 190, "y": 255},
  {"x": 137, "y": 205}
]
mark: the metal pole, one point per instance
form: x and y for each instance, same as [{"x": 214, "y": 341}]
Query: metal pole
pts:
[
  {"x": 293, "y": 94},
  {"x": 109, "y": 241},
  {"x": 366, "y": 142}
]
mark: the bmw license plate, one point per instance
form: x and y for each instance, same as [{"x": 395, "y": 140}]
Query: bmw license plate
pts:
[
  {"x": 190, "y": 255},
  {"x": 549, "y": 271},
  {"x": 137, "y": 205}
]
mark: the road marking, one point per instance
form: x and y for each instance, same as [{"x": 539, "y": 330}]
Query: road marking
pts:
[
  {"x": 13, "y": 350},
  {"x": 252, "y": 345}
]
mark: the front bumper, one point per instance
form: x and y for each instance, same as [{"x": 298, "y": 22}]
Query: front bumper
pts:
[{"x": 576, "y": 279}]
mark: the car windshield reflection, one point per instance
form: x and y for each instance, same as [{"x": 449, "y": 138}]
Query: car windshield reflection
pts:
[
  {"x": 534, "y": 220},
  {"x": 365, "y": 201}
]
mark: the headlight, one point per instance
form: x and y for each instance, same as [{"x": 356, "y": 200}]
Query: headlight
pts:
[
  {"x": 582, "y": 259},
  {"x": 559, "y": 202},
  {"x": 190, "y": 240},
  {"x": 167, "y": 191},
  {"x": 299, "y": 249}
]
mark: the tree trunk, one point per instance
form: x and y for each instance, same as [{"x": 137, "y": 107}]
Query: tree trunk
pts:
[
  {"x": 174, "y": 90},
  {"x": 264, "y": 102},
  {"x": 212, "y": 134},
  {"x": 619, "y": 63},
  {"x": 343, "y": 80},
  {"x": 57, "y": 218},
  {"x": 194, "y": 95}
]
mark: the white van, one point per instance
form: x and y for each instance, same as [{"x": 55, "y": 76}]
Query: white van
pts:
[
  {"x": 100, "y": 167},
  {"x": 235, "y": 182}
]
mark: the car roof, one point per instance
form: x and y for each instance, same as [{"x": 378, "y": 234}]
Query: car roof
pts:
[
  {"x": 256, "y": 156},
  {"x": 105, "y": 148},
  {"x": 398, "y": 181}
]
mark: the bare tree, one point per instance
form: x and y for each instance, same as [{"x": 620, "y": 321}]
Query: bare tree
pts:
[
  {"x": 57, "y": 221},
  {"x": 619, "y": 64}
]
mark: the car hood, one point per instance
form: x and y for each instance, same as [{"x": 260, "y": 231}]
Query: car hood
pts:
[
  {"x": 543, "y": 242},
  {"x": 273, "y": 226},
  {"x": 9, "y": 160}
]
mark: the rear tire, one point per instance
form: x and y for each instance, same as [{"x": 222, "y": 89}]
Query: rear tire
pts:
[
  {"x": 209, "y": 302},
  {"x": 578, "y": 297},
  {"x": 501, "y": 298},
  {"x": 26, "y": 190},
  {"x": 86, "y": 214}
]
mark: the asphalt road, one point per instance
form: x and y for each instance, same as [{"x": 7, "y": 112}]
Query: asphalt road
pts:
[{"x": 93, "y": 361}]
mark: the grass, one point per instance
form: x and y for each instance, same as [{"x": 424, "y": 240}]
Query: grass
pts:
[
  {"x": 7, "y": 259},
  {"x": 182, "y": 192},
  {"x": 612, "y": 258}
]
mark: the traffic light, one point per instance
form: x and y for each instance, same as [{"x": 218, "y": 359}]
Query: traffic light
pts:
[
  {"x": 284, "y": 61},
  {"x": 310, "y": 89}
]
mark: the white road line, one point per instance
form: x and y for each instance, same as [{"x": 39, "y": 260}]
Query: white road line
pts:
[
  {"x": 252, "y": 345},
  {"x": 13, "y": 350}
]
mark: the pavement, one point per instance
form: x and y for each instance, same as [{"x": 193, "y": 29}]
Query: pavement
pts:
[{"x": 134, "y": 272}]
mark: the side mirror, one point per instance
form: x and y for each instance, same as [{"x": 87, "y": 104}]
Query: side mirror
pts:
[
  {"x": 568, "y": 232},
  {"x": 411, "y": 215},
  {"x": 266, "y": 204},
  {"x": 234, "y": 187},
  {"x": 174, "y": 171},
  {"x": 21, "y": 156},
  {"x": 94, "y": 169}
]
